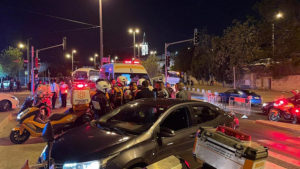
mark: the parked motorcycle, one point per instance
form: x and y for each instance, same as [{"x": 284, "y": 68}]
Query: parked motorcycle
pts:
[
  {"x": 31, "y": 120},
  {"x": 42, "y": 102},
  {"x": 286, "y": 108}
]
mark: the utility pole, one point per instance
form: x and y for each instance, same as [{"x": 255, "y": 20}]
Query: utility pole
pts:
[
  {"x": 32, "y": 71},
  {"x": 273, "y": 39},
  {"x": 234, "y": 83},
  {"x": 101, "y": 32},
  {"x": 28, "y": 59}
]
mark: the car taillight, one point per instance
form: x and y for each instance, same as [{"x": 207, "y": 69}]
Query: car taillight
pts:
[
  {"x": 234, "y": 133},
  {"x": 127, "y": 61},
  {"x": 81, "y": 85}
]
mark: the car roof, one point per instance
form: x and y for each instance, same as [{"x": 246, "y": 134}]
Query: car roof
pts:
[{"x": 161, "y": 102}]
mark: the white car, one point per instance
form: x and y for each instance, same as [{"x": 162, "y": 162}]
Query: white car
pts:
[{"x": 8, "y": 102}]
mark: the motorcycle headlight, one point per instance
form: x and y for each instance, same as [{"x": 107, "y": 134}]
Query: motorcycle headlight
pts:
[
  {"x": 264, "y": 104},
  {"x": 20, "y": 115},
  {"x": 88, "y": 165},
  {"x": 15, "y": 98}
]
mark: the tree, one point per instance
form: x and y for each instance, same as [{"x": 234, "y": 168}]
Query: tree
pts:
[
  {"x": 151, "y": 65},
  {"x": 11, "y": 61}
]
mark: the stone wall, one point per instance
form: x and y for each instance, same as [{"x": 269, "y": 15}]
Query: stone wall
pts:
[{"x": 287, "y": 83}]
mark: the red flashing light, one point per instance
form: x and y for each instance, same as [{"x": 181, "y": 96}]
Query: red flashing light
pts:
[
  {"x": 128, "y": 62},
  {"x": 101, "y": 69},
  {"x": 136, "y": 62},
  {"x": 80, "y": 85},
  {"x": 231, "y": 132}
]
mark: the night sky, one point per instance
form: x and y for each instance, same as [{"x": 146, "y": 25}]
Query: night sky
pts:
[{"x": 162, "y": 20}]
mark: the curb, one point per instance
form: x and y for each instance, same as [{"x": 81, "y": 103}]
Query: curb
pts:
[{"x": 280, "y": 125}]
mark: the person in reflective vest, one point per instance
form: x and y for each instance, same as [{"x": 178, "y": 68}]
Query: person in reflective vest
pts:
[
  {"x": 100, "y": 101},
  {"x": 64, "y": 93}
]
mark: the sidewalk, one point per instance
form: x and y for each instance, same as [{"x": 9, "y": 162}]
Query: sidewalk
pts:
[
  {"x": 295, "y": 128},
  {"x": 25, "y": 92}
]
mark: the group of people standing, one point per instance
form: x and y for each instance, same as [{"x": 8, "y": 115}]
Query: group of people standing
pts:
[
  {"x": 14, "y": 85},
  {"x": 111, "y": 95},
  {"x": 59, "y": 90}
]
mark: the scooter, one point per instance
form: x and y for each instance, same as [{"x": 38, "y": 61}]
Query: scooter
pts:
[
  {"x": 44, "y": 103},
  {"x": 289, "y": 109},
  {"x": 31, "y": 121}
]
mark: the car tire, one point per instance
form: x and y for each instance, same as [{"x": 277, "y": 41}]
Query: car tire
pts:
[
  {"x": 5, "y": 105},
  {"x": 274, "y": 115}
]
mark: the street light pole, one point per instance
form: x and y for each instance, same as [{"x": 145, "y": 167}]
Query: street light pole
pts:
[
  {"x": 273, "y": 39},
  {"x": 101, "y": 32},
  {"x": 134, "y": 44}
]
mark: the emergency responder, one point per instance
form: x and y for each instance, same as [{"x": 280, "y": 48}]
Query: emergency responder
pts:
[
  {"x": 170, "y": 90},
  {"x": 145, "y": 91},
  {"x": 117, "y": 94},
  {"x": 130, "y": 93},
  {"x": 64, "y": 93},
  {"x": 182, "y": 94},
  {"x": 100, "y": 101},
  {"x": 139, "y": 83}
]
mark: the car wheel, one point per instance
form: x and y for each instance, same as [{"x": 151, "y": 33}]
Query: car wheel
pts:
[
  {"x": 274, "y": 115},
  {"x": 5, "y": 105}
]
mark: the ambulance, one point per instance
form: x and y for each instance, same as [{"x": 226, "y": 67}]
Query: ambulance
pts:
[{"x": 132, "y": 70}]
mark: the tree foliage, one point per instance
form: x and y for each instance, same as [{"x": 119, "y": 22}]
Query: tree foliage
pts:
[
  {"x": 245, "y": 42},
  {"x": 151, "y": 65},
  {"x": 11, "y": 61}
]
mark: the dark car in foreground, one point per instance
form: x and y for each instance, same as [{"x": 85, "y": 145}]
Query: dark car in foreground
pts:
[
  {"x": 247, "y": 94},
  {"x": 136, "y": 134}
]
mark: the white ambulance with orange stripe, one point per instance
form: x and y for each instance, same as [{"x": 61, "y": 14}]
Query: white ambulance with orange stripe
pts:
[{"x": 132, "y": 70}]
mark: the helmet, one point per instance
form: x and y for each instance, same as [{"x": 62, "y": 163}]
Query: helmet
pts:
[
  {"x": 140, "y": 81},
  {"x": 122, "y": 80},
  {"x": 102, "y": 86}
]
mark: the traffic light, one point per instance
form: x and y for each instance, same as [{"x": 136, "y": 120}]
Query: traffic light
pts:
[
  {"x": 36, "y": 71},
  {"x": 168, "y": 61},
  {"x": 196, "y": 37},
  {"x": 36, "y": 60}
]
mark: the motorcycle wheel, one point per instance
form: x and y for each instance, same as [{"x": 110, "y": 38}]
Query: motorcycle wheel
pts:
[
  {"x": 274, "y": 115},
  {"x": 16, "y": 138},
  {"x": 295, "y": 120}
]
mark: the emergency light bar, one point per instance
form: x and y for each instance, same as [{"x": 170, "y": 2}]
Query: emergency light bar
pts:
[
  {"x": 131, "y": 62},
  {"x": 234, "y": 133}
]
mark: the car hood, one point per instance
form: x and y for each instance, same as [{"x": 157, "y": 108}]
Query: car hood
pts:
[
  {"x": 87, "y": 143},
  {"x": 5, "y": 96}
]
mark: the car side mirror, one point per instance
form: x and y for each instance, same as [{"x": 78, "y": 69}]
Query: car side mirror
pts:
[
  {"x": 166, "y": 132},
  {"x": 48, "y": 134}
]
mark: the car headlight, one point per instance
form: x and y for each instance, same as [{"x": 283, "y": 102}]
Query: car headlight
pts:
[
  {"x": 88, "y": 165},
  {"x": 264, "y": 104}
]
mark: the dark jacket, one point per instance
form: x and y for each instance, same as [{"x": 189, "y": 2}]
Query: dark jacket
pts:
[
  {"x": 101, "y": 104},
  {"x": 144, "y": 93}
]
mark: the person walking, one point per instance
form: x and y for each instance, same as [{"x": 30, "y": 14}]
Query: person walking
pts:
[
  {"x": 64, "y": 93},
  {"x": 145, "y": 91},
  {"x": 182, "y": 94},
  {"x": 2, "y": 86},
  {"x": 55, "y": 91}
]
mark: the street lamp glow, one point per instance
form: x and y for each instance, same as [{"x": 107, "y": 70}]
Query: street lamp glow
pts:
[
  {"x": 130, "y": 30},
  {"x": 21, "y": 45},
  {"x": 152, "y": 52},
  {"x": 279, "y": 15},
  {"x": 91, "y": 59},
  {"x": 137, "y": 31},
  {"x": 96, "y": 55},
  {"x": 112, "y": 61},
  {"x": 116, "y": 57},
  {"x": 74, "y": 51},
  {"x": 68, "y": 56}
]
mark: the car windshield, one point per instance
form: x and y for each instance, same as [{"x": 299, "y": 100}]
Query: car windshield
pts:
[
  {"x": 80, "y": 75},
  {"x": 133, "y": 117},
  {"x": 134, "y": 77},
  {"x": 248, "y": 92}
]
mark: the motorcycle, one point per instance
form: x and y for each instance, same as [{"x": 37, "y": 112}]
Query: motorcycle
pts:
[
  {"x": 42, "y": 102},
  {"x": 31, "y": 120},
  {"x": 288, "y": 109}
]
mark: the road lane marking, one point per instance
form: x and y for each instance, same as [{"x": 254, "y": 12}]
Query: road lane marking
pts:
[
  {"x": 270, "y": 165},
  {"x": 284, "y": 158},
  {"x": 281, "y": 147}
]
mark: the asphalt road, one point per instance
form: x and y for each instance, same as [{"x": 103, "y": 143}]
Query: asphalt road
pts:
[{"x": 284, "y": 145}]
